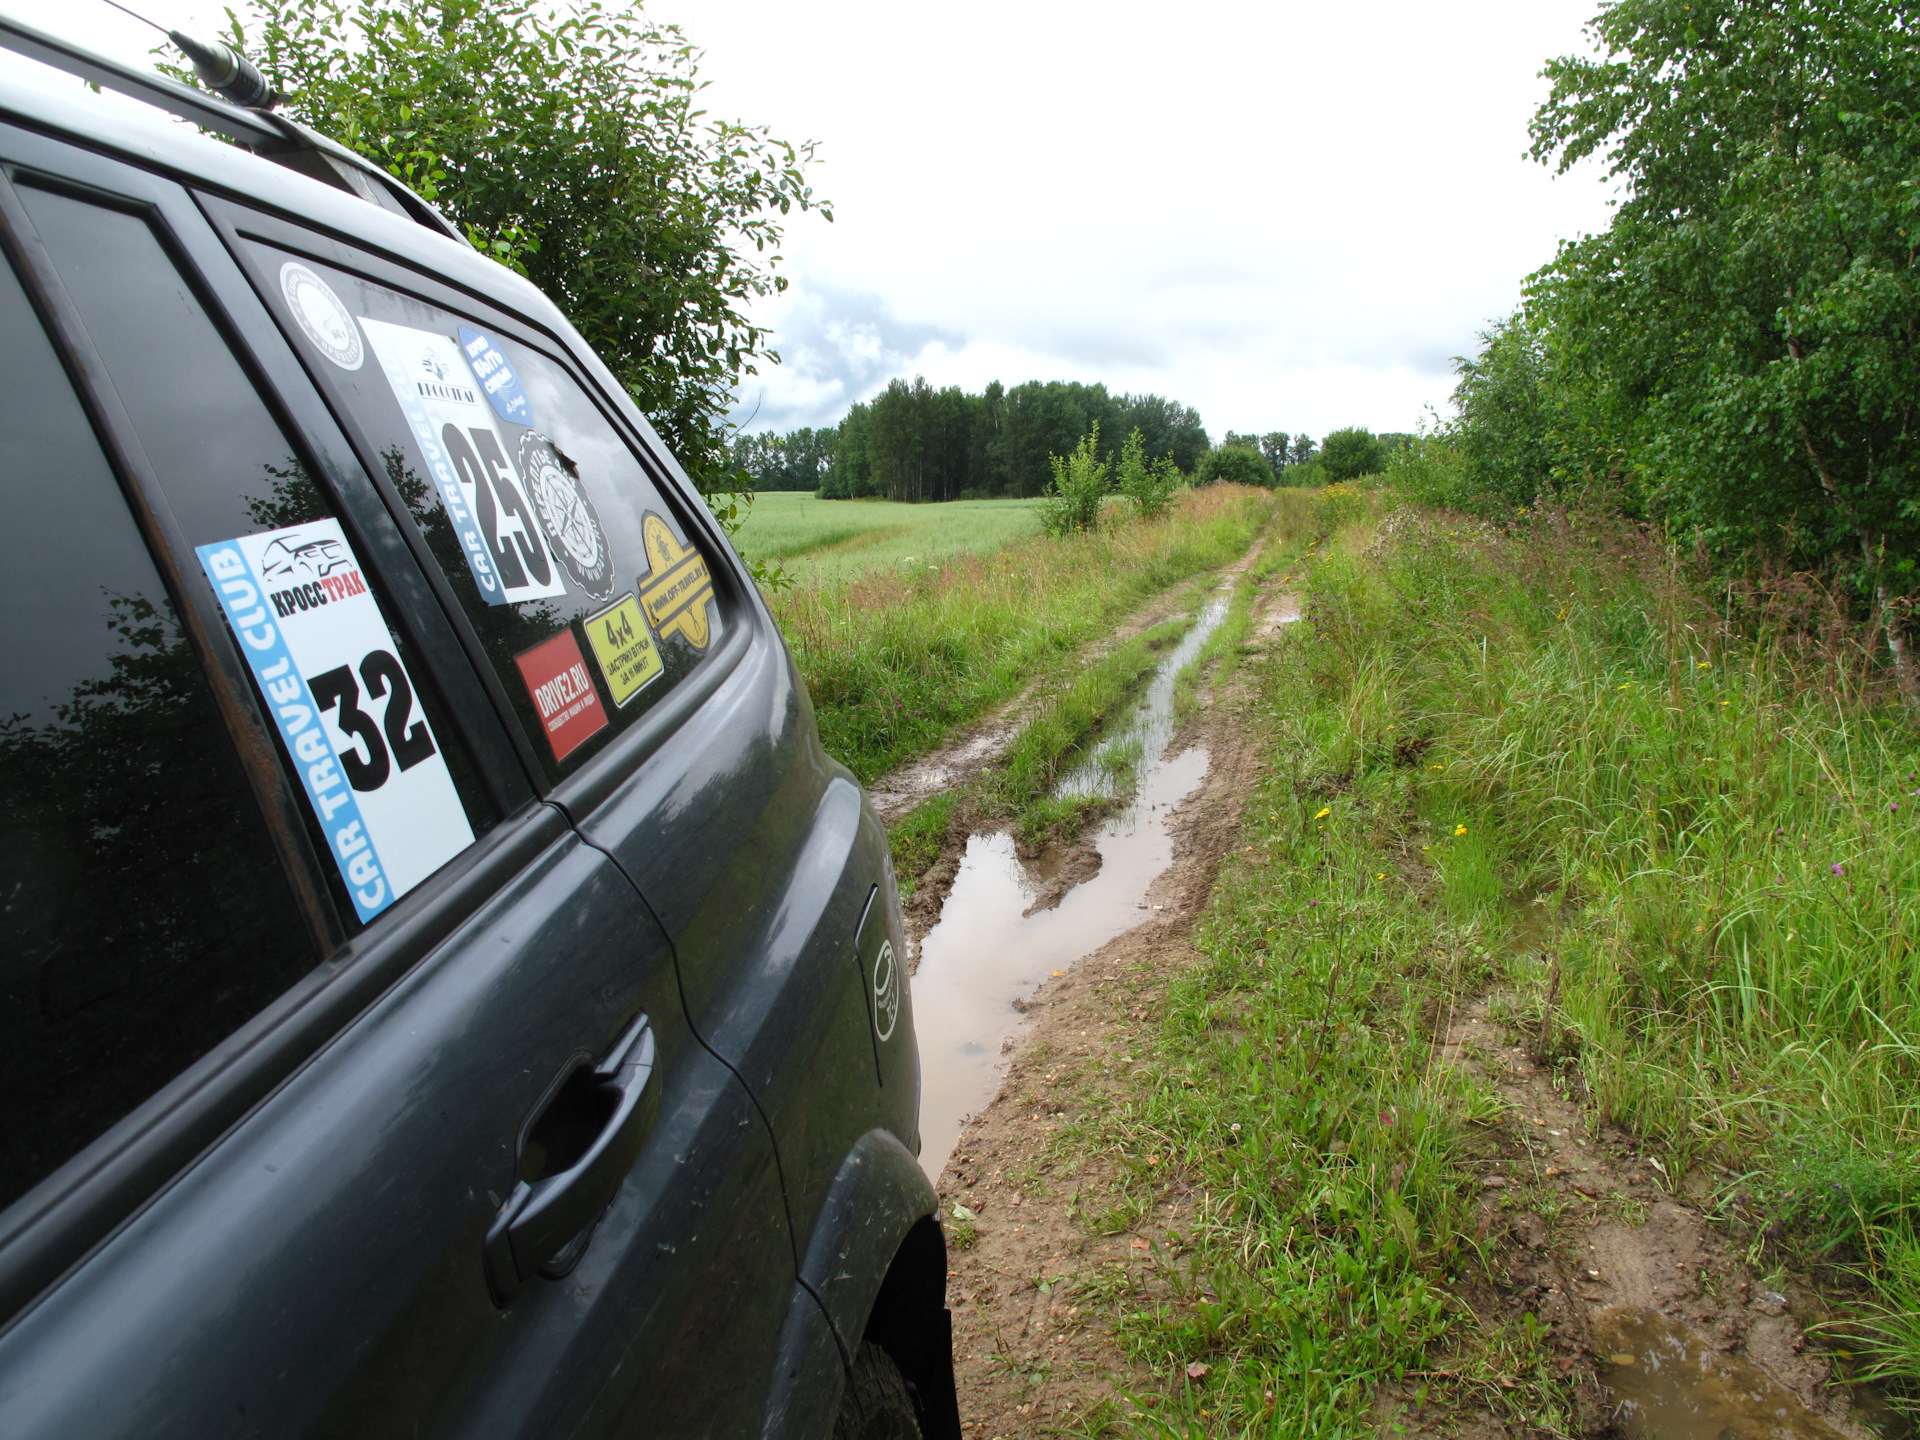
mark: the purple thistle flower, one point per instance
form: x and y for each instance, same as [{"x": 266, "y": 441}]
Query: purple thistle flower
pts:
[{"x": 1836, "y": 868}]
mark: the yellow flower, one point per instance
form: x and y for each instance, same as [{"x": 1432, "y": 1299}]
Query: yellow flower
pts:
[
  {"x": 1436, "y": 767},
  {"x": 1324, "y": 813},
  {"x": 1623, "y": 687},
  {"x": 1705, "y": 666},
  {"x": 1459, "y": 829},
  {"x": 1381, "y": 876}
]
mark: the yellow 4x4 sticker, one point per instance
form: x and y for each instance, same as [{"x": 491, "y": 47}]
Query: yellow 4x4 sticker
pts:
[
  {"x": 675, "y": 596},
  {"x": 624, "y": 647}
]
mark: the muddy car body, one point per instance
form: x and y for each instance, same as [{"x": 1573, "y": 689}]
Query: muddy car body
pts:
[{"x": 449, "y": 990}]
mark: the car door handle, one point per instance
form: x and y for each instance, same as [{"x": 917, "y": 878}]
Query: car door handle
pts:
[{"x": 578, "y": 1147}]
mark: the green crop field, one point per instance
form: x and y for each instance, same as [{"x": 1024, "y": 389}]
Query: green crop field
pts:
[{"x": 813, "y": 539}]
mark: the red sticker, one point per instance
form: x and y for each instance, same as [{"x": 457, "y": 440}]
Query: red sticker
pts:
[{"x": 563, "y": 693}]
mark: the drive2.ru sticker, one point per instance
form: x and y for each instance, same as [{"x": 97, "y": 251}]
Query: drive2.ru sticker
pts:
[
  {"x": 563, "y": 694},
  {"x": 344, "y": 704}
]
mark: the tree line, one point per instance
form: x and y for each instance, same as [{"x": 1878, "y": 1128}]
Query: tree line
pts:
[
  {"x": 1736, "y": 357},
  {"x": 913, "y": 442}
]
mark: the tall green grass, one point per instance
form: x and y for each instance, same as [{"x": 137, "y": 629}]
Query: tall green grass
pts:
[
  {"x": 1484, "y": 744},
  {"x": 895, "y": 661},
  {"x": 1728, "y": 827}
]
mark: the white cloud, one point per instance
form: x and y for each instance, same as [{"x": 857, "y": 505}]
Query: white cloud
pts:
[{"x": 1289, "y": 215}]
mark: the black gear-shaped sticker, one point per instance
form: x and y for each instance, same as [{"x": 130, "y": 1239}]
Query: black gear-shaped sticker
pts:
[{"x": 567, "y": 516}]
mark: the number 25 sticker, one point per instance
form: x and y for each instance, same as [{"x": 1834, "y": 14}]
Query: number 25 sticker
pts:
[
  {"x": 484, "y": 496},
  {"x": 324, "y": 659}
]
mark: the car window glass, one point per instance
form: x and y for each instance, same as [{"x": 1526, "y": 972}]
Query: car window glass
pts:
[
  {"x": 146, "y": 915},
  {"x": 391, "y": 792},
  {"x": 580, "y": 582}
]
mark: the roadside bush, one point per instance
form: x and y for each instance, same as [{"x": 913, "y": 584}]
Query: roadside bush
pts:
[
  {"x": 1432, "y": 471},
  {"x": 1072, "y": 501},
  {"x": 1147, "y": 485},
  {"x": 1350, "y": 453},
  {"x": 1234, "y": 464}
]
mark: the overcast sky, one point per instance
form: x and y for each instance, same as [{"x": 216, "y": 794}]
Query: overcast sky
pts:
[{"x": 1289, "y": 215}]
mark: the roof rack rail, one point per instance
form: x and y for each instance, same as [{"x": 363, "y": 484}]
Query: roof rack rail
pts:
[{"x": 273, "y": 137}]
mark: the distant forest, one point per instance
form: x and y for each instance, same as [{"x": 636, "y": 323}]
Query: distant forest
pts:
[{"x": 912, "y": 442}]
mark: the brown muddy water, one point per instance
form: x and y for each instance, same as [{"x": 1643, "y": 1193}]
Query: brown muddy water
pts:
[
  {"x": 986, "y": 955},
  {"x": 1670, "y": 1384}
]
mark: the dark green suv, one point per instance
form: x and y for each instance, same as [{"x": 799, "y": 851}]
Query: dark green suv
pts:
[{"x": 445, "y": 988}]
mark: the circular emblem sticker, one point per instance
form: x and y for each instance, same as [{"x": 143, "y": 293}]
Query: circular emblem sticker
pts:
[
  {"x": 567, "y": 515},
  {"x": 322, "y": 315},
  {"x": 886, "y": 992}
]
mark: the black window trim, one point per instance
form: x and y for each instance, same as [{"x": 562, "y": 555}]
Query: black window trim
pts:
[
  {"x": 82, "y": 1204},
  {"x": 241, "y": 223},
  {"x": 193, "y": 600},
  {"x": 298, "y": 407}
]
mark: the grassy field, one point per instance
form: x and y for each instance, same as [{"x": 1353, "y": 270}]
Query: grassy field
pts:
[
  {"x": 897, "y": 659},
  {"x": 814, "y": 540},
  {"x": 1471, "y": 731}
]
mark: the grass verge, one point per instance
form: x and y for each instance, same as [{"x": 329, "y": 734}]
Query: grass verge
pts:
[
  {"x": 896, "y": 661},
  {"x": 1470, "y": 721}
]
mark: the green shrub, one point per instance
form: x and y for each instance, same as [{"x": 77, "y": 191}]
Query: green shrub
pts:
[
  {"x": 1072, "y": 502},
  {"x": 1147, "y": 485},
  {"x": 1235, "y": 464},
  {"x": 1350, "y": 453}
]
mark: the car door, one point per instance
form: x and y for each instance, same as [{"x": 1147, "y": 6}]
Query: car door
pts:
[{"x": 358, "y": 1117}]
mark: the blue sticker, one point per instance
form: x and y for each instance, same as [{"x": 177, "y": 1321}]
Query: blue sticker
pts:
[{"x": 495, "y": 374}]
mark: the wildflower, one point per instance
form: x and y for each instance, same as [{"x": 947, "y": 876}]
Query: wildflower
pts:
[
  {"x": 1894, "y": 806},
  {"x": 1459, "y": 830},
  {"x": 1705, "y": 666},
  {"x": 1837, "y": 868},
  {"x": 1324, "y": 813},
  {"x": 1381, "y": 876},
  {"x": 1436, "y": 767}
]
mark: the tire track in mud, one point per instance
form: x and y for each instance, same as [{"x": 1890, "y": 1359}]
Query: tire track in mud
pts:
[
  {"x": 1661, "y": 1327},
  {"x": 1033, "y": 1353}
]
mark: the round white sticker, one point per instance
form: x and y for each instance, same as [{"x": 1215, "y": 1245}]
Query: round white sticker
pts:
[
  {"x": 886, "y": 992},
  {"x": 322, "y": 315}
]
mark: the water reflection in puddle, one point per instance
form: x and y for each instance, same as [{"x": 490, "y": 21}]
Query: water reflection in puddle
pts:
[
  {"x": 1670, "y": 1384},
  {"x": 986, "y": 953}
]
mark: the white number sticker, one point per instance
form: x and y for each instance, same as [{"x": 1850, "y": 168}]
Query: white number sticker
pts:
[
  {"x": 484, "y": 495},
  {"x": 345, "y": 706}
]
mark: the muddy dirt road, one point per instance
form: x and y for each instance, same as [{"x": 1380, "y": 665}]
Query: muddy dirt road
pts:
[
  {"x": 1040, "y": 983},
  {"x": 1033, "y": 977}
]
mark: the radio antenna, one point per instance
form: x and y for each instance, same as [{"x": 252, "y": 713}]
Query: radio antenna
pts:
[{"x": 221, "y": 68}]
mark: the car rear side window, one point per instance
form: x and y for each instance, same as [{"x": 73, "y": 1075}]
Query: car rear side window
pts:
[
  {"x": 391, "y": 794},
  {"x": 145, "y": 914},
  {"x": 587, "y": 593}
]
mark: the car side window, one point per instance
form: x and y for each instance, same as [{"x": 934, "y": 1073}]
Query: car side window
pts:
[
  {"x": 391, "y": 793},
  {"x": 145, "y": 913},
  {"x": 587, "y": 594}
]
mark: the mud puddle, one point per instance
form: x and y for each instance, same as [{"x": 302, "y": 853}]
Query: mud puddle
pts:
[
  {"x": 1669, "y": 1384},
  {"x": 992, "y": 948}
]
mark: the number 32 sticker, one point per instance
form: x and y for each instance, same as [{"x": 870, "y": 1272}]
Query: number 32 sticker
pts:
[{"x": 324, "y": 658}]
